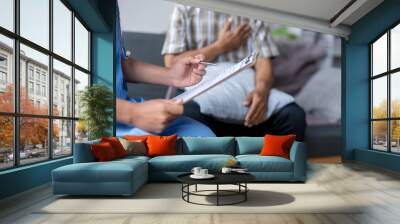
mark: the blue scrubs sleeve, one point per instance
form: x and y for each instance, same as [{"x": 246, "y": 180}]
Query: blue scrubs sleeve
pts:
[{"x": 121, "y": 85}]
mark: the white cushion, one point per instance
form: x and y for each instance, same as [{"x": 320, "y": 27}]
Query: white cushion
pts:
[{"x": 225, "y": 101}]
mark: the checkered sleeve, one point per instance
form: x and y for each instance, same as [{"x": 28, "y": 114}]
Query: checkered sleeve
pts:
[
  {"x": 175, "y": 40},
  {"x": 263, "y": 42}
]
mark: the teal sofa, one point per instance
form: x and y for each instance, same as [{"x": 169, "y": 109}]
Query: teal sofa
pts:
[{"x": 125, "y": 176}]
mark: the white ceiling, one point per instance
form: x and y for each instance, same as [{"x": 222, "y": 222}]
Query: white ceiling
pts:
[
  {"x": 315, "y": 15},
  {"x": 321, "y": 9}
]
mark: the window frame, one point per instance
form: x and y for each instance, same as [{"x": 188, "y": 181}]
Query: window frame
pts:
[
  {"x": 16, "y": 114},
  {"x": 388, "y": 74}
]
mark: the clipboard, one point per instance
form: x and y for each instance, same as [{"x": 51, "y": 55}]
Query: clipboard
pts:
[{"x": 226, "y": 74}]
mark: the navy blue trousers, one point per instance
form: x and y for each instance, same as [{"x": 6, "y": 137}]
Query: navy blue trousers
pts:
[{"x": 289, "y": 120}]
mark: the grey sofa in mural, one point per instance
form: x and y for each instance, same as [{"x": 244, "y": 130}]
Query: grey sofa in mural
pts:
[{"x": 306, "y": 66}]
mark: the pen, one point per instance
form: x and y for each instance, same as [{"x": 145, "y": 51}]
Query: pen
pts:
[{"x": 207, "y": 63}]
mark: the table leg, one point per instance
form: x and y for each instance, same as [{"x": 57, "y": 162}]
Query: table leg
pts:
[
  {"x": 182, "y": 188},
  {"x": 196, "y": 187},
  {"x": 188, "y": 190},
  {"x": 217, "y": 194},
  {"x": 245, "y": 193}
]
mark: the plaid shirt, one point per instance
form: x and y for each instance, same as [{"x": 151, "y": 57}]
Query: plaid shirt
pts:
[{"x": 193, "y": 28}]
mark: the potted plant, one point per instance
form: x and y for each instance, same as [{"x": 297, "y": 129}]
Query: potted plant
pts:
[{"x": 96, "y": 103}]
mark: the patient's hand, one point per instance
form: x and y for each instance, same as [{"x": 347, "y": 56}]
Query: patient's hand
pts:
[
  {"x": 187, "y": 71},
  {"x": 257, "y": 103},
  {"x": 155, "y": 115},
  {"x": 228, "y": 40}
]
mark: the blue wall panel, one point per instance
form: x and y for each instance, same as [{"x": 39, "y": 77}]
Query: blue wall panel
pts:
[
  {"x": 355, "y": 90},
  {"x": 24, "y": 178},
  {"x": 375, "y": 22},
  {"x": 356, "y": 102},
  {"x": 102, "y": 58},
  {"x": 379, "y": 159},
  {"x": 103, "y": 52},
  {"x": 103, "y": 64},
  {"x": 90, "y": 12}
]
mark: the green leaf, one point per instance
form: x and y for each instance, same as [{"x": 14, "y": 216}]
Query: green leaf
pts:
[{"x": 283, "y": 32}]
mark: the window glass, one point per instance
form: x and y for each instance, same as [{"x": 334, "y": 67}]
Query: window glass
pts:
[
  {"x": 37, "y": 91},
  {"x": 6, "y": 142},
  {"x": 81, "y": 82},
  {"x": 6, "y": 74},
  {"x": 34, "y": 81},
  {"x": 395, "y": 95},
  {"x": 3, "y": 61},
  {"x": 30, "y": 72},
  {"x": 33, "y": 140},
  {"x": 34, "y": 21},
  {"x": 37, "y": 74},
  {"x": 81, "y": 45},
  {"x": 7, "y": 14},
  {"x": 379, "y": 98},
  {"x": 39, "y": 62},
  {"x": 43, "y": 92},
  {"x": 395, "y": 47},
  {"x": 30, "y": 87},
  {"x": 379, "y": 135},
  {"x": 62, "y": 138},
  {"x": 62, "y": 91},
  {"x": 62, "y": 29},
  {"x": 395, "y": 136},
  {"x": 379, "y": 56}
]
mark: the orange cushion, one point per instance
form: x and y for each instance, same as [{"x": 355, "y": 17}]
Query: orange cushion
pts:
[
  {"x": 161, "y": 145},
  {"x": 135, "y": 138},
  {"x": 277, "y": 145},
  {"x": 116, "y": 145},
  {"x": 103, "y": 152}
]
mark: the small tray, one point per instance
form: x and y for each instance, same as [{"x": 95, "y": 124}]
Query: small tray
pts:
[{"x": 208, "y": 176}]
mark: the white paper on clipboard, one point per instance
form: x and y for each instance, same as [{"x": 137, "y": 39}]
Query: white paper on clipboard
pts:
[{"x": 229, "y": 72}]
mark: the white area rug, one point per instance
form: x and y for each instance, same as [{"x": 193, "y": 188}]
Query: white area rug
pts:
[{"x": 166, "y": 198}]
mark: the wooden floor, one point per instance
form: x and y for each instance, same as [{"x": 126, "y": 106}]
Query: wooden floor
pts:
[
  {"x": 378, "y": 189},
  {"x": 325, "y": 159}
]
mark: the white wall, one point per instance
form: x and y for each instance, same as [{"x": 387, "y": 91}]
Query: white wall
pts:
[{"x": 146, "y": 16}]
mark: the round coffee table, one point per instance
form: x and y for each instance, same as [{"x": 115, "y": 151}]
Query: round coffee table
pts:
[{"x": 238, "y": 179}]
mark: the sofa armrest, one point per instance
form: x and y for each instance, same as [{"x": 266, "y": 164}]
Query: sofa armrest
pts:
[
  {"x": 298, "y": 155},
  {"x": 83, "y": 152}
]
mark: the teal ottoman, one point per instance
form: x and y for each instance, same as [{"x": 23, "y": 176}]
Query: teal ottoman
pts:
[{"x": 118, "y": 177}]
